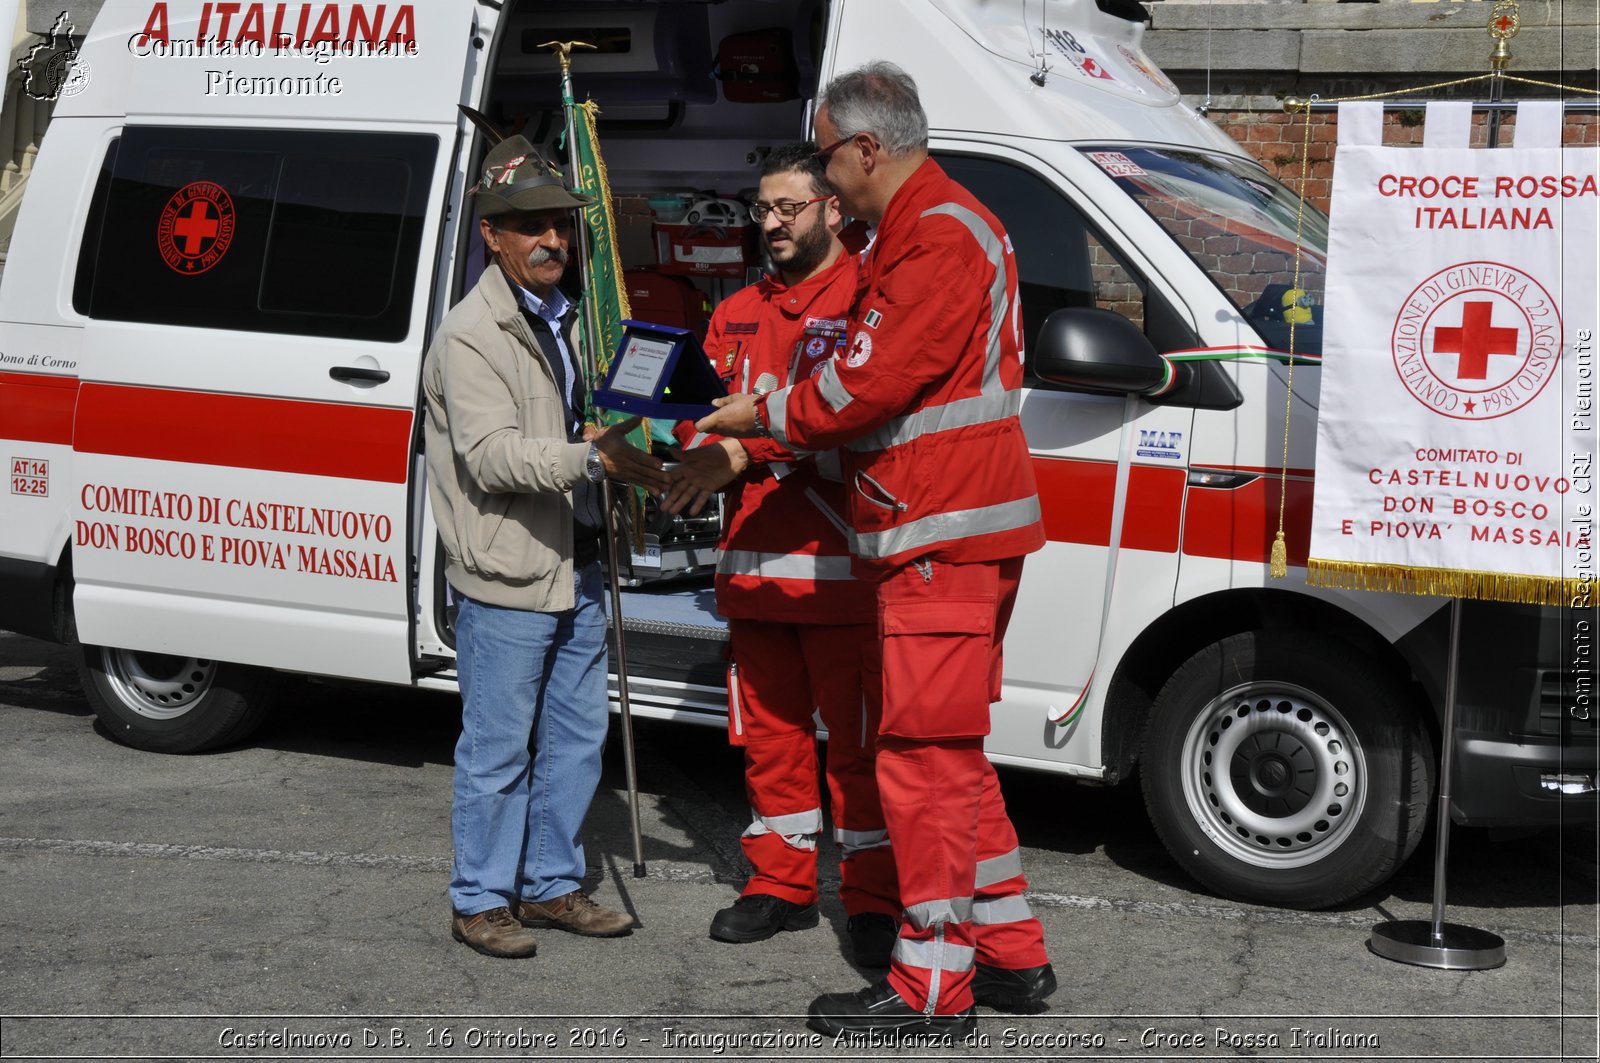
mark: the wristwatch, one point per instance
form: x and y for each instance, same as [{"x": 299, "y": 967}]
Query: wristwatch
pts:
[
  {"x": 760, "y": 415},
  {"x": 593, "y": 467}
]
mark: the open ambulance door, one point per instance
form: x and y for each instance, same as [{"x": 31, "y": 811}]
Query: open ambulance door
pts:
[{"x": 256, "y": 284}]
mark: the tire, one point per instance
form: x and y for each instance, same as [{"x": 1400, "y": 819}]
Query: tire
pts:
[
  {"x": 1326, "y": 769},
  {"x": 168, "y": 704}
]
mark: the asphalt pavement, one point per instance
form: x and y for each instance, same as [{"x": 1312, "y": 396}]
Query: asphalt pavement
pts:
[{"x": 284, "y": 899}]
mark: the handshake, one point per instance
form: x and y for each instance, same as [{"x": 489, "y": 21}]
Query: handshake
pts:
[{"x": 698, "y": 474}]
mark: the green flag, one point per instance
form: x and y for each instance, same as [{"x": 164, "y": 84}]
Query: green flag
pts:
[{"x": 605, "y": 296}]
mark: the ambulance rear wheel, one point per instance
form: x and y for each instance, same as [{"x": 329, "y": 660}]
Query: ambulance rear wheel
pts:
[
  {"x": 172, "y": 704},
  {"x": 1287, "y": 768}
]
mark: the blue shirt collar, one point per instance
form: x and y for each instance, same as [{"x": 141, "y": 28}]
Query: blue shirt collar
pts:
[{"x": 551, "y": 309}]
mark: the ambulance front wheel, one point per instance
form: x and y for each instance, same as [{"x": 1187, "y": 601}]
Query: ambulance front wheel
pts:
[
  {"x": 171, "y": 704},
  {"x": 1287, "y": 768}
]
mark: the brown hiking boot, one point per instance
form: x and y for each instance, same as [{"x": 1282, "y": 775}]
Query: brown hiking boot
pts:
[
  {"x": 494, "y": 933},
  {"x": 577, "y": 914}
]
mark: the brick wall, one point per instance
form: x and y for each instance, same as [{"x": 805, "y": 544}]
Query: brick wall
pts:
[{"x": 1276, "y": 139}]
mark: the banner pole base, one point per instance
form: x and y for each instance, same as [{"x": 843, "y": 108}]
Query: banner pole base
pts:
[
  {"x": 1453, "y": 948},
  {"x": 1434, "y": 942}
]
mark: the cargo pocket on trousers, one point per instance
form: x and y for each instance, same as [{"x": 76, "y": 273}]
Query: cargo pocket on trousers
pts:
[{"x": 936, "y": 663}]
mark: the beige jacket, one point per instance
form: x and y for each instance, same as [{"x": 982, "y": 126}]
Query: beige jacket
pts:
[{"x": 500, "y": 469}]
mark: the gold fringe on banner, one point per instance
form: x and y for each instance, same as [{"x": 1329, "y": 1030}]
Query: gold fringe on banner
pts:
[{"x": 1450, "y": 583}]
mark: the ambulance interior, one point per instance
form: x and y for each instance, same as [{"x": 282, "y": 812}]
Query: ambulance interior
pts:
[{"x": 682, "y": 131}]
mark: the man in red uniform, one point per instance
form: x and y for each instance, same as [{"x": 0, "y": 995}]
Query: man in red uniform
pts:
[
  {"x": 943, "y": 507},
  {"x": 801, "y": 627}
]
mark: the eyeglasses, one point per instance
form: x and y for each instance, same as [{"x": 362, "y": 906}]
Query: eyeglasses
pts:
[
  {"x": 824, "y": 154},
  {"x": 784, "y": 209}
]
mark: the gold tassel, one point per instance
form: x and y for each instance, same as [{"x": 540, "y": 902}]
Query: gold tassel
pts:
[{"x": 1280, "y": 557}]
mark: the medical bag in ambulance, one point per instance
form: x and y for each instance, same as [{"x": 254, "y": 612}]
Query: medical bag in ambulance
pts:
[
  {"x": 667, "y": 300},
  {"x": 758, "y": 67}
]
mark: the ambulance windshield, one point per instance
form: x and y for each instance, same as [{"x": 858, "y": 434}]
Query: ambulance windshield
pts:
[{"x": 1239, "y": 224}]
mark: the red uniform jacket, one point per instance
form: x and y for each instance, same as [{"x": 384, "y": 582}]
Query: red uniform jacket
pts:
[
  {"x": 784, "y": 557},
  {"x": 925, "y": 400}
]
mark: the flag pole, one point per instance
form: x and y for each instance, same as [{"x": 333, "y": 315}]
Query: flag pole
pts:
[{"x": 591, "y": 359}]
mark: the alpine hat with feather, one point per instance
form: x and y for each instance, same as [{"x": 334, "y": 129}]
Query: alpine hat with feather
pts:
[{"x": 517, "y": 178}]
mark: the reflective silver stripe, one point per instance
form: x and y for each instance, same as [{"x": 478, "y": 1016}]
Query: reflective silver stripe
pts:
[
  {"x": 999, "y": 297},
  {"x": 777, "y": 417},
  {"x": 784, "y": 566},
  {"x": 926, "y": 955},
  {"x": 855, "y": 841},
  {"x": 962, "y": 413},
  {"x": 937, "y": 963},
  {"x": 1003, "y": 910},
  {"x": 798, "y": 830},
  {"x": 830, "y": 389},
  {"x": 830, "y": 467},
  {"x": 698, "y": 440},
  {"x": 943, "y": 527},
  {"x": 807, "y": 822},
  {"x": 993, "y": 402},
  {"x": 950, "y": 910},
  {"x": 999, "y": 868}
]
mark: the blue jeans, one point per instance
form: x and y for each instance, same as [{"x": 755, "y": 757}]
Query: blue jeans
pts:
[{"x": 516, "y": 819}]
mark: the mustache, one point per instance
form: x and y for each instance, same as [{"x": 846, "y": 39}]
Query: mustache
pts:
[{"x": 540, "y": 255}]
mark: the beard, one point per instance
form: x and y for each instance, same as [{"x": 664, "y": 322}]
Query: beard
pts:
[{"x": 807, "y": 248}]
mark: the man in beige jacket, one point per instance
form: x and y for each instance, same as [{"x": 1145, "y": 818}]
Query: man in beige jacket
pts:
[{"x": 513, "y": 479}]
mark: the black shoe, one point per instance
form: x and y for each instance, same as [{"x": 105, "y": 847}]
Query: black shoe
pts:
[
  {"x": 879, "y": 1009},
  {"x": 758, "y": 916},
  {"x": 1019, "y": 991},
  {"x": 872, "y": 938}
]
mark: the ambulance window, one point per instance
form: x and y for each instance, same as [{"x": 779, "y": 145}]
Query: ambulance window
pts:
[
  {"x": 1246, "y": 230},
  {"x": 1062, "y": 261},
  {"x": 89, "y": 252},
  {"x": 282, "y": 231},
  {"x": 353, "y": 203}
]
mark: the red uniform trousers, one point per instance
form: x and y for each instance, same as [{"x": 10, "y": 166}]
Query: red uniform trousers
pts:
[
  {"x": 784, "y": 674},
  {"x": 960, "y": 868}
]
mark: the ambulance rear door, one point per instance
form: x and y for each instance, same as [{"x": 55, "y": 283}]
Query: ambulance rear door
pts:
[{"x": 256, "y": 295}]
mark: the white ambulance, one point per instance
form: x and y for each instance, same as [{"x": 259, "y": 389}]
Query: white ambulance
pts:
[{"x": 248, "y": 218}]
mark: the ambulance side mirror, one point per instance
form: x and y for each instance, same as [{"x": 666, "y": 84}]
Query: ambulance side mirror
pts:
[{"x": 1101, "y": 351}]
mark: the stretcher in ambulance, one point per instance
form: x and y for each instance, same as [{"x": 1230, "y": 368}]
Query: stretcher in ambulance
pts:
[{"x": 247, "y": 219}]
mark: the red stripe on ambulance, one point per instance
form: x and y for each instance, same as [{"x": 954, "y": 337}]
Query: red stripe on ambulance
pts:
[
  {"x": 1241, "y": 522},
  {"x": 35, "y": 408},
  {"x": 277, "y": 435},
  {"x": 1238, "y": 523},
  {"x": 1077, "y": 496}
]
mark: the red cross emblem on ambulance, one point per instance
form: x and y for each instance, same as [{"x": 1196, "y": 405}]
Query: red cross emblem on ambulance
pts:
[{"x": 196, "y": 227}]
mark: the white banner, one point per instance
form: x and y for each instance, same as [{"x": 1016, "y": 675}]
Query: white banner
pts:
[{"x": 1455, "y": 440}]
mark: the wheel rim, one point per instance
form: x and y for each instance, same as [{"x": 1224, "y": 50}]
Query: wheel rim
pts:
[
  {"x": 158, "y": 686},
  {"x": 1274, "y": 775}
]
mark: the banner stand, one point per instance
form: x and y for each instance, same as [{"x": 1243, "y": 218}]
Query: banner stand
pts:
[{"x": 1436, "y": 943}]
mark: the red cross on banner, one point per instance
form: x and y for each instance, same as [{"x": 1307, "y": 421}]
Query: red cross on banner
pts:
[{"x": 1475, "y": 341}]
